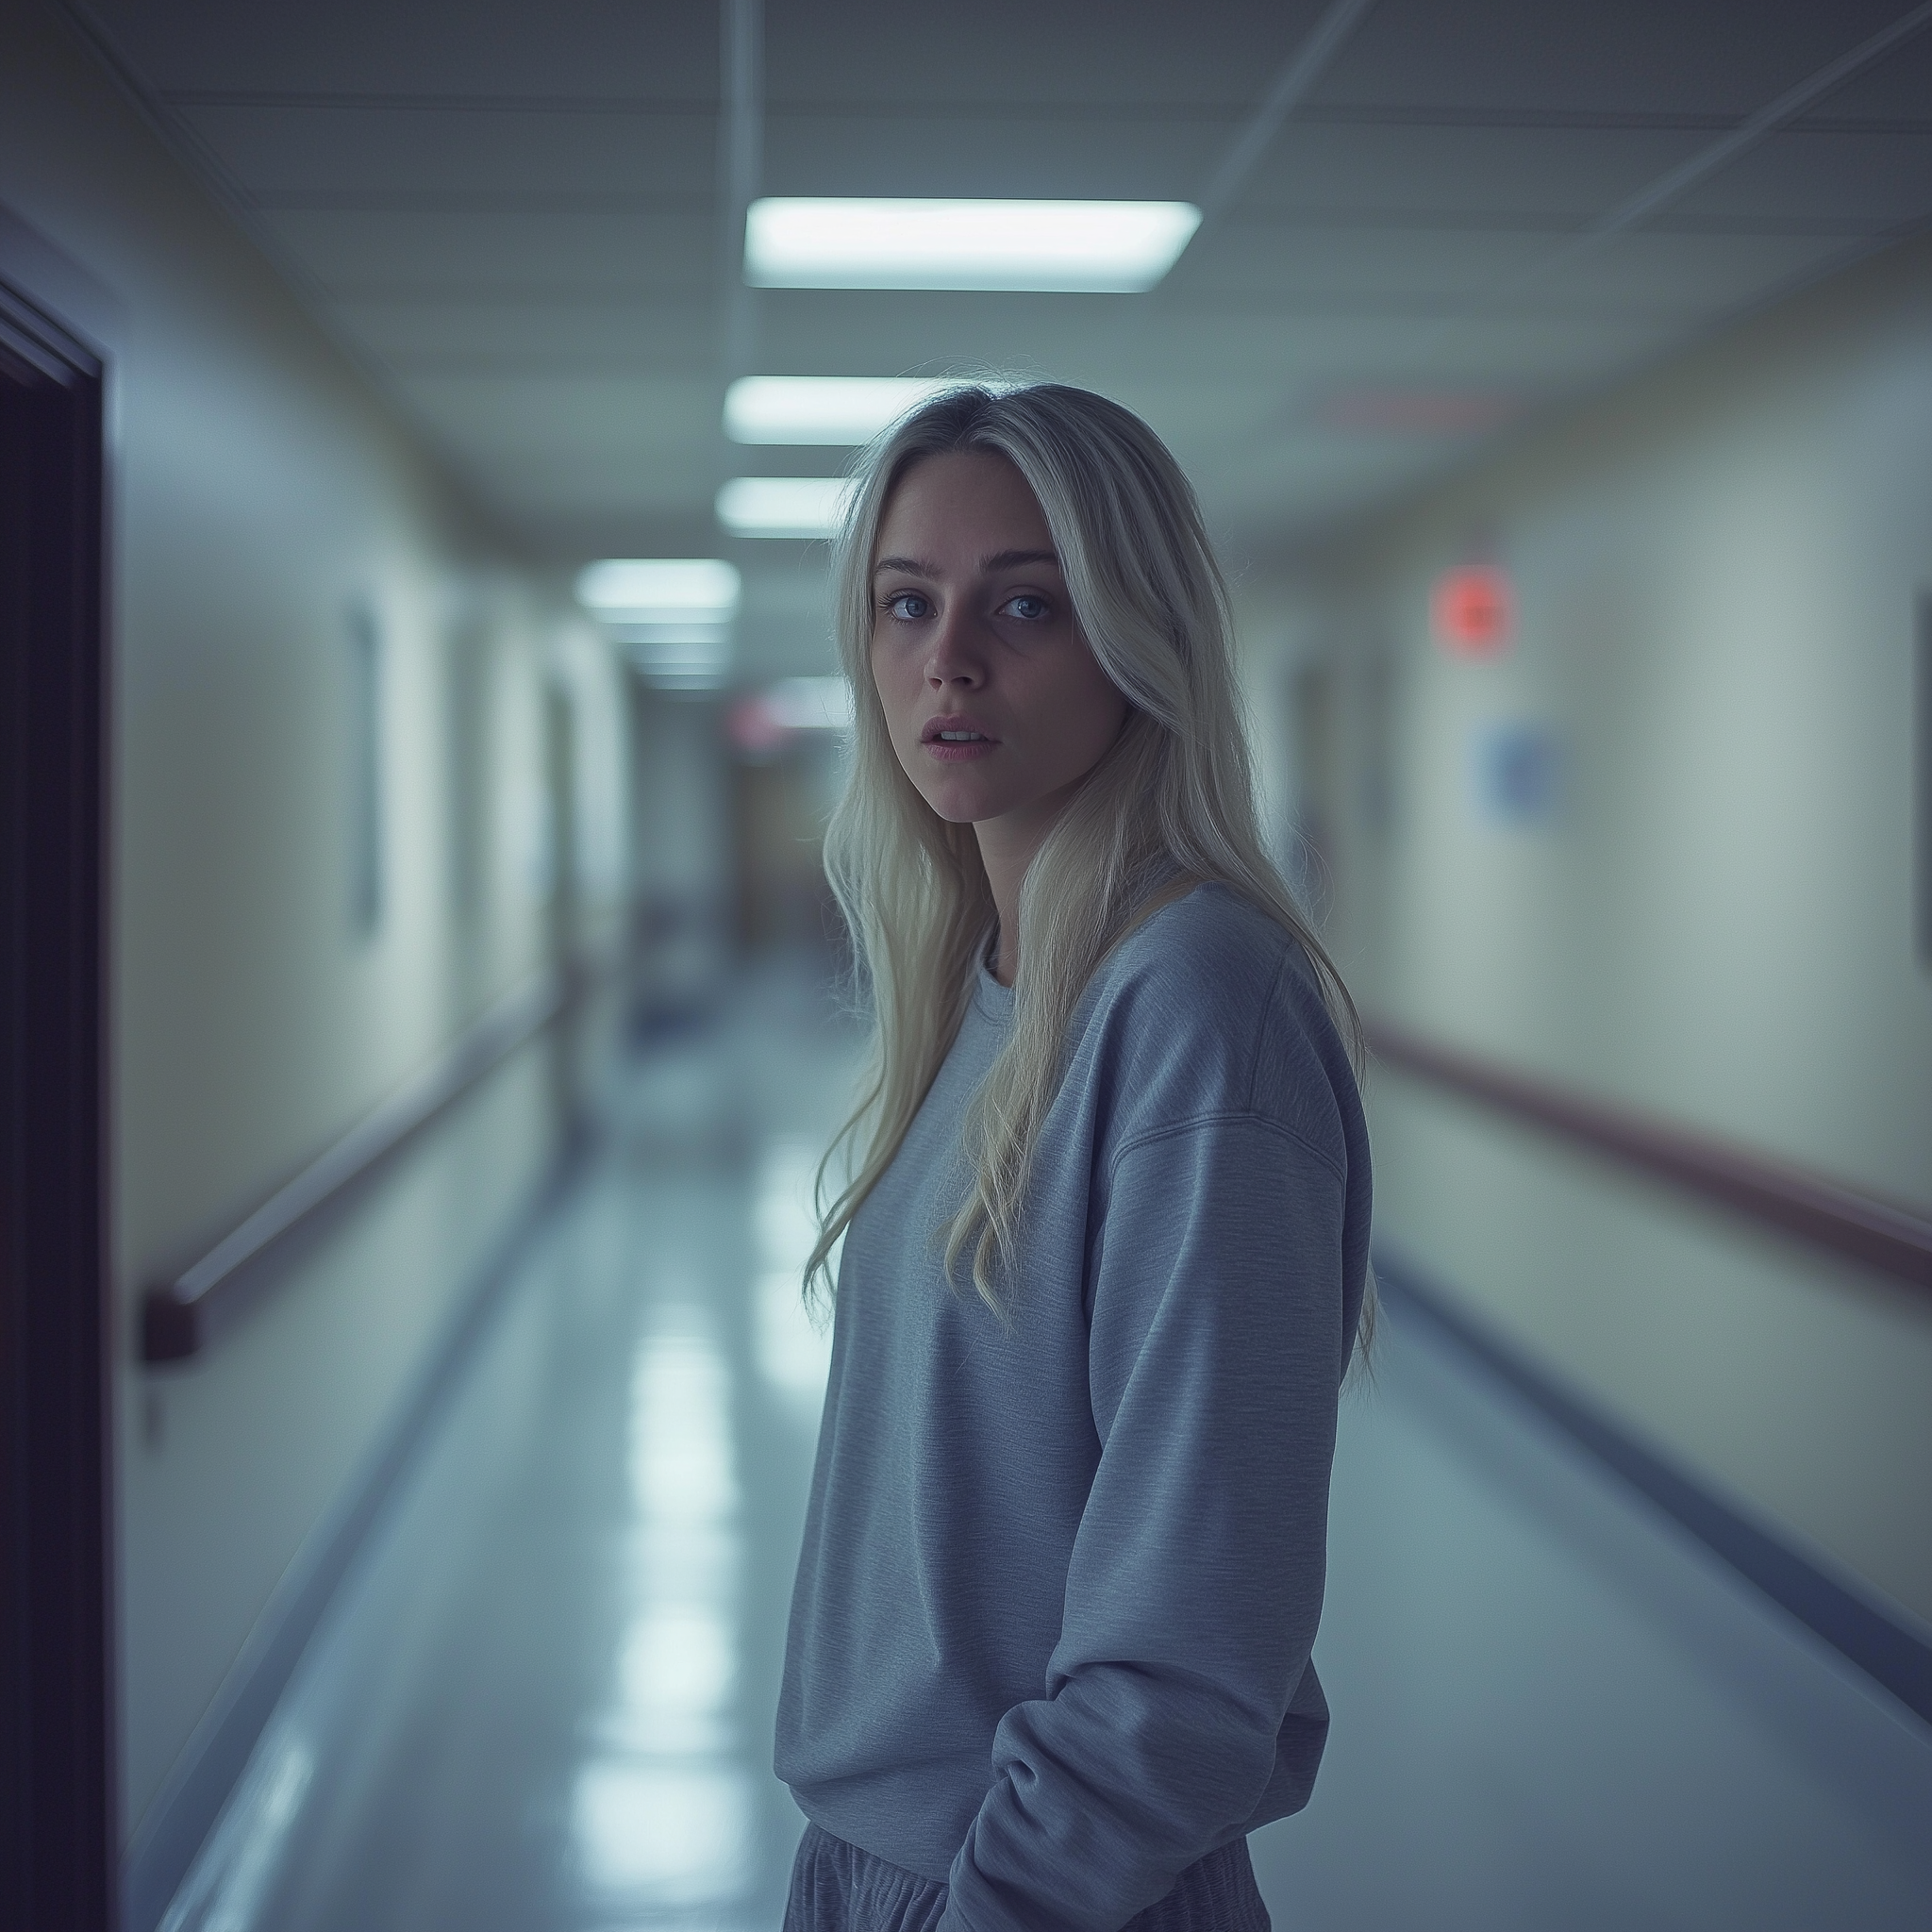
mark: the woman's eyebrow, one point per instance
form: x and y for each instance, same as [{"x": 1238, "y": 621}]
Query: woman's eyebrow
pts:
[{"x": 1000, "y": 559}]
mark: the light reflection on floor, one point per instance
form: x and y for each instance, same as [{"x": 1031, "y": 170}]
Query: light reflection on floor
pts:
[
  {"x": 664, "y": 1816},
  {"x": 544, "y": 1698}
]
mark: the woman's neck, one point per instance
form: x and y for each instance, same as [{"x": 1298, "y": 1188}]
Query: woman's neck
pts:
[
  {"x": 1006, "y": 848},
  {"x": 1005, "y": 899}
]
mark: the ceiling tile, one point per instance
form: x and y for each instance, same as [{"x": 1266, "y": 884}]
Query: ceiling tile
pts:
[
  {"x": 623, "y": 329},
  {"x": 1148, "y": 157},
  {"x": 1898, "y": 89},
  {"x": 1695, "y": 277},
  {"x": 588, "y": 415},
  {"x": 1540, "y": 355},
  {"x": 1554, "y": 176},
  {"x": 1706, "y": 58},
  {"x": 1413, "y": 270},
  {"x": 589, "y": 485},
  {"x": 583, "y": 48},
  {"x": 1010, "y": 53},
  {"x": 390, "y": 251},
  {"x": 405, "y": 151},
  {"x": 838, "y": 332},
  {"x": 513, "y": 210},
  {"x": 1840, "y": 178}
]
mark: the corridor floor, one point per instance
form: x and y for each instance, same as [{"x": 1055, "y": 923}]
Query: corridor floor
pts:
[{"x": 543, "y": 1698}]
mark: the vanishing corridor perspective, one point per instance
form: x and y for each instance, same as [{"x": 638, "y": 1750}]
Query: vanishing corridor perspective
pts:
[{"x": 468, "y": 392}]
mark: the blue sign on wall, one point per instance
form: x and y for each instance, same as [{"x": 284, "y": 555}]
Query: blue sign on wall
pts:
[{"x": 1517, "y": 769}]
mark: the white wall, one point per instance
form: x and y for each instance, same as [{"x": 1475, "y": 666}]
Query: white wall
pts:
[
  {"x": 1719, "y": 570},
  {"x": 260, "y": 495}
]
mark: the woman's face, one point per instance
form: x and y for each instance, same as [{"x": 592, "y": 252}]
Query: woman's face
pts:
[{"x": 997, "y": 707}]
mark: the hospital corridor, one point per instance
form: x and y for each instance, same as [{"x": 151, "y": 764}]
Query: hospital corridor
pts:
[{"x": 424, "y": 430}]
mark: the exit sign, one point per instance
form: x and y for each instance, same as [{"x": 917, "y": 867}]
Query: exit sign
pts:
[{"x": 1473, "y": 610}]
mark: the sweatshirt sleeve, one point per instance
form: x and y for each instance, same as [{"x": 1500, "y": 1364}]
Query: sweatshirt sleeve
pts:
[{"x": 1196, "y": 1584}]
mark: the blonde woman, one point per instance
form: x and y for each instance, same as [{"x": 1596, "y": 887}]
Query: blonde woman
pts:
[{"x": 1105, "y": 1252}]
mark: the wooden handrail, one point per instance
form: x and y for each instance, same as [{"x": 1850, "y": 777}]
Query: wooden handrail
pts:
[
  {"x": 1882, "y": 1235},
  {"x": 179, "y": 1316}
]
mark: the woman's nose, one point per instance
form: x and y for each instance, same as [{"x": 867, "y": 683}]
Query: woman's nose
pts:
[{"x": 954, "y": 658}]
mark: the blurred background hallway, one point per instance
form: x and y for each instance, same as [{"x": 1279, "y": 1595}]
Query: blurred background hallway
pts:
[{"x": 419, "y": 430}]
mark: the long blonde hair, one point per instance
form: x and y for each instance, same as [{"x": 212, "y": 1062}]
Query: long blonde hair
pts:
[{"x": 1168, "y": 806}]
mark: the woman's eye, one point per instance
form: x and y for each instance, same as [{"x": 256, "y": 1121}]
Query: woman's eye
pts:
[
  {"x": 1028, "y": 607},
  {"x": 909, "y": 606}
]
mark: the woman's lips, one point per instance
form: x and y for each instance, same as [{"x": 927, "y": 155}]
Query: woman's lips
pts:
[{"x": 956, "y": 741}]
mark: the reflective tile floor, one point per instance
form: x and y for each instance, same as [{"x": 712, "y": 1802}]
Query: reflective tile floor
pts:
[
  {"x": 543, "y": 1699},
  {"x": 1555, "y": 1711}
]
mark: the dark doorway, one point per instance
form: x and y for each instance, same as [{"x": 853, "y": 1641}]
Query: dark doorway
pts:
[{"x": 57, "y": 1810}]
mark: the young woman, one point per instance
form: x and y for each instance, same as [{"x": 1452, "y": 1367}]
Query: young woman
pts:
[{"x": 1105, "y": 1250}]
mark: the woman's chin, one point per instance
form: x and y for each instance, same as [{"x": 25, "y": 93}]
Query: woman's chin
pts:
[{"x": 960, "y": 805}]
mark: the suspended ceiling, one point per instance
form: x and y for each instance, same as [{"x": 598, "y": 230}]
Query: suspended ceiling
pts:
[{"x": 516, "y": 215}]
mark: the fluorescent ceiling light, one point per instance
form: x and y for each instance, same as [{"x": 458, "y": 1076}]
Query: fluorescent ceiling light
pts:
[
  {"x": 821, "y": 409},
  {"x": 1094, "y": 246},
  {"x": 811, "y": 704},
  {"x": 781, "y": 506},
  {"x": 685, "y": 654},
  {"x": 661, "y": 587},
  {"x": 656, "y": 631},
  {"x": 683, "y": 677},
  {"x": 690, "y": 662}
]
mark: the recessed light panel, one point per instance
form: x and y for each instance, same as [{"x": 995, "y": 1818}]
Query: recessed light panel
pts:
[
  {"x": 1084, "y": 246},
  {"x": 681, "y": 665},
  {"x": 661, "y": 587},
  {"x": 671, "y": 616},
  {"x": 831, "y": 410},
  {"x": 781, "y": 506}
]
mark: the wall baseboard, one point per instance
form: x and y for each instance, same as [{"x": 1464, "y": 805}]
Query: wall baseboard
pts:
[
  {"x": 189, "y": 1804},
  {"x": 1880, "y": 1640}
]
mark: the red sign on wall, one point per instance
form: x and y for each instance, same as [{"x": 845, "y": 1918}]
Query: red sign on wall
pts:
[{"x": 1473, "y": 610}]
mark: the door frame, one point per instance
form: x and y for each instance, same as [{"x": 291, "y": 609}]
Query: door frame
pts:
[{"x": 59, "y": 1829}]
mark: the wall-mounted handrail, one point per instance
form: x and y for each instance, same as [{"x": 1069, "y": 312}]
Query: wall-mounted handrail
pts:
[
  {"x": 180, "y": 1315},
  {"x": 1882, "y": 1235}
]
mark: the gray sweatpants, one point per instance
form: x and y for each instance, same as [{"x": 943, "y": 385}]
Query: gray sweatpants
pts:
[{"x": 838, "y": 1887}]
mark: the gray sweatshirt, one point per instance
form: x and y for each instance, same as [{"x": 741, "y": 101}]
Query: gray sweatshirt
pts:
[{"x": 1049, "y": 1641}]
